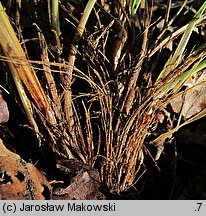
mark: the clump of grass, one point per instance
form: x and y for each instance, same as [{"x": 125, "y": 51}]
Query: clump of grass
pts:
[{"x": 111, "y": 99}]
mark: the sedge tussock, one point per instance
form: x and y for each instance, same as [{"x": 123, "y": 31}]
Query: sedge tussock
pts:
[{"x": 110, "y": 82}]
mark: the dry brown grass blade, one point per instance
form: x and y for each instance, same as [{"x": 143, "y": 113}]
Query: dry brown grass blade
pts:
[
  {"x": 48, "y": 74},
  {"x": 134, "y": 77},
  {"x": 168, "y": 24},
  {"x": 13, "y": 50},
  {"x": 163, "y": 136},
  {"x": 89, "y": 133},
  {"x": 167, "y": 11},
  {"x": 166, "y": 41},
  {"x": 119, "y": 34},
  {"x": 67, "y": 78}
]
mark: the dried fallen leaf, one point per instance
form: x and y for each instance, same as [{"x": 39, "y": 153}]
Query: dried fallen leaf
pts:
[
  {"x": 84, "y": 184},
  {"x": 4, "y": 111},
  {"x": 193, "y": 99},
  {"x": 20, "y": 180}
]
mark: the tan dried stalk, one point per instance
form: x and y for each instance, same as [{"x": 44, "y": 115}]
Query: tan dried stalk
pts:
[
  {"x": 67, "y": 78},
  {"x": 56, "y": 104},
  {"x": 23, "y": 69}
]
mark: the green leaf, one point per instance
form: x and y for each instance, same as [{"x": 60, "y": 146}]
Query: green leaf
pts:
[{"x": 135, "y": 7}]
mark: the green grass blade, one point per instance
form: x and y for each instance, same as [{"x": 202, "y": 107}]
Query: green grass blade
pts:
[
  {"x": 55, "y": 16},
  {"x": 180, "y": 80},
  {"x": 135, "y": 7},
  {"x": 177, "y": 56},
  {"x": 186, "y": 36}
]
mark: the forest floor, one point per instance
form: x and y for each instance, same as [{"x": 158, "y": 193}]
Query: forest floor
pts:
[{"x": 181, "y": 170}]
